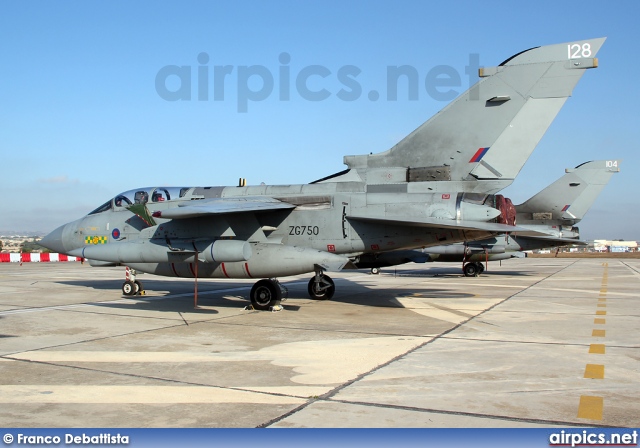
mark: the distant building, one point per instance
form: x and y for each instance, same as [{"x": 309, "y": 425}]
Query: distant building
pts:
[{"x": 615, "y": 246}]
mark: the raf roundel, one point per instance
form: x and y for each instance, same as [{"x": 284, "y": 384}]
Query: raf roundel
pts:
[{"x": 115, "y": 234}]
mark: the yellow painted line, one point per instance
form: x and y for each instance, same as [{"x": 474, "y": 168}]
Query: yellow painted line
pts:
[
  {"x": 582, "y": 291},
  {"x": 601, "y": 313},
  {"x": 602, "y": 299},
  {"x": 599, "y": 321},
  {"x": 597, "y": 349},
  {"x": 602, "y": 305},
  {"x": 590, "y": 407},
  {"x": 594, "y": 371},
  {"x": 598, "y": 333}
]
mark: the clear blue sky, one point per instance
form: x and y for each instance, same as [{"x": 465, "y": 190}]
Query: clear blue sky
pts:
[{"x": 81, "y": 120}]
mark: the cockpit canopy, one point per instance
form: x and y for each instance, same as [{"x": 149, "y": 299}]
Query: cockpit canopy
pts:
[{"x": 142, "y": 196}]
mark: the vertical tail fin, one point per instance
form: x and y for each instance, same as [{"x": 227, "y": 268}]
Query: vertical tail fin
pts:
[
  {"x": 567, "y": 200},
  {"x": 488, "y": 132}
]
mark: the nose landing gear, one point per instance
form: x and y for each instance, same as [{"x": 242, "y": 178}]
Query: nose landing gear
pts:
[{"x": 131, "y": 286}]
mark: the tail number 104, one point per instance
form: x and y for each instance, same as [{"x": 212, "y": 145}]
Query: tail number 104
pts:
[{"x": 611, "y": 164}]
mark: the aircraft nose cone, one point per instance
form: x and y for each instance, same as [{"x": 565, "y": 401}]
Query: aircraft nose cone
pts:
[{"x": 53, "y": 241}]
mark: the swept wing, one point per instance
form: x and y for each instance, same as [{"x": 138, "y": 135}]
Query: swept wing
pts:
[{"x": 219, "y": 206}]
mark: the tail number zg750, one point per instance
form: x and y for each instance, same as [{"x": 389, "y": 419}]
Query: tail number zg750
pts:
[{"x": 303, "y": 230}]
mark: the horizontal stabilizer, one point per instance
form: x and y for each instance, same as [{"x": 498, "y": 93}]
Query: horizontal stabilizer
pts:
[
  {"x": 219, "y": 206},
  {"x": 552, "y": 239}
]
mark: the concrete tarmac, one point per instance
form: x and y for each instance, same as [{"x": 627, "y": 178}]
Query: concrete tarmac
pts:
[{"x": 534, "y": 342}]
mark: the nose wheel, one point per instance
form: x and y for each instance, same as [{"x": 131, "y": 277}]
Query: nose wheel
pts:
[{"x": 131, "y": 286}]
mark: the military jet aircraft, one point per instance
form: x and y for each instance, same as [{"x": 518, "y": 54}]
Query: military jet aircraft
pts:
[
  {"x": 434, "y": 187},
  {"x": 551, "y": 215}
]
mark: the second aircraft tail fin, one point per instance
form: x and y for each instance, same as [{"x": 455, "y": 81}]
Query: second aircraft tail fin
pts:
[{"x": 567, "y": 200}]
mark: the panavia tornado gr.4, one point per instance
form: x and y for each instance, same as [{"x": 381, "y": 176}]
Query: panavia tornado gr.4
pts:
[
  {"x": 549, "y": 217},
  {"x": 434, "y": 187}
]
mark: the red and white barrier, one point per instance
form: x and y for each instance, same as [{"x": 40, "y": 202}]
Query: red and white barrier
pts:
[{"x": 35, "y": 258}]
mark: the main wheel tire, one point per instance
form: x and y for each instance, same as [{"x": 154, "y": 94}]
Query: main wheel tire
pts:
[
  {"x": 138, "y": 286},
  {"x": 128, "y": 288},
  {"x": 325, "y": 291},
  {"x": 470, "y": 270},
  {"x": 480, "y": 267},
  {"x": 375, "y": 271},
  {"x": 265, "y": 294}
]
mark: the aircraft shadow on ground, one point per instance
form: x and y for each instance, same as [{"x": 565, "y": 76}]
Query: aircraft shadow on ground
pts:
[
  {"x": 357, "y": 293},
  {"x": 154, "y": 284},
  {"x": 177, "y": 296},
  {"x": 6, "y": 335},
  {"x": 451, "y": 272},
  {"x": 170, "y": 296}
]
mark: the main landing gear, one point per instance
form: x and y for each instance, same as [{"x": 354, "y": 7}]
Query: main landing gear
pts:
[
  {"x": 321, "y": 287},
  {"x": 131, "y": 286},
  {"x": 473, "y": 269},
  {"x": 267, "y": 294}
]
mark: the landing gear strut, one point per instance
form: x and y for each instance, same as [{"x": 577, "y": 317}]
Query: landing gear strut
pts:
[
  {"x": 131, "y": 286},
  {"x": 321, "y": 287},
  {"x": 267, "y": 294}
]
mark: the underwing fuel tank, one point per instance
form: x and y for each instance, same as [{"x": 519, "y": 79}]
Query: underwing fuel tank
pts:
[
  {"x": 143, "y": 252},
  {"x": 101, "y": 264},
  {"x": 265, "y": 261},
  {"x": 460, "y": 249},
  {"x": 471, "y": 207},
  {"x": 276, "y": 260},
  {"x": 479, "y": 207},
  {"x": 478, "y": 212},
  {"x": 148, "y": 252},
  {"x": 227, "y": 251}
]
